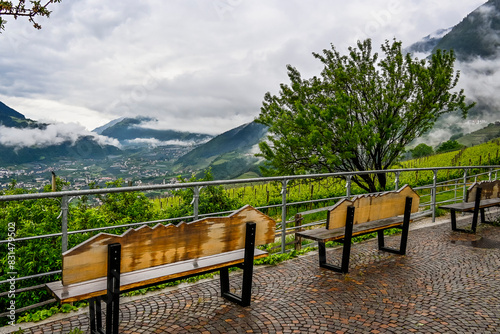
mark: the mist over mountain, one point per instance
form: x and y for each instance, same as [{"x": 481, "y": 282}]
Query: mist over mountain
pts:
[
  {"x": 477, "y": 36},
  {"x": 141, "y": 132},
  {"x": 476, "y": 44},
  {"x": 23, "y": 140},
  {"x": 428, "y": 43}
]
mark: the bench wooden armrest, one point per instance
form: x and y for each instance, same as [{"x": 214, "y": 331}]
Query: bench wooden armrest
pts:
[{"x": 150, "y": 276}]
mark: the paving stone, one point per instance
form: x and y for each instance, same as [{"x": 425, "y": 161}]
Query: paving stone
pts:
[{"x": 443, "y": 285}]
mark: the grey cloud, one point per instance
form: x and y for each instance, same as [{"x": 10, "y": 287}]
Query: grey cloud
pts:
[
  {"x": 195, "y": 65},
  {"x": 53, "y": 134}
]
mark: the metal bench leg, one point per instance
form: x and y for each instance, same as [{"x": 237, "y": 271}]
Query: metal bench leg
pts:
[
  {"x": 113, "y": 295},
  {"x": 483, "y": 217},
  {"x": 346, "y": 249},
  {"x": 95, "y": 316},
  {"x": 404, "y": 234},
  {"x": 454, "y": 220},
  {"x": 454, "y": 223},
  {"x": 476, "y": 210},
  {"x": 246, "y": 288}
]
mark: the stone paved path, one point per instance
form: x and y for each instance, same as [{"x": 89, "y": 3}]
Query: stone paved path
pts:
[{"x": 448, "y": 282}]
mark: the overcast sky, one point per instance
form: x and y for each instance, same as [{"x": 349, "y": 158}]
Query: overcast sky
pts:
[{"x": 195, "y": 65}]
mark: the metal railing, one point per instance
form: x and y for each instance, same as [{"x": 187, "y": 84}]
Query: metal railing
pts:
[{"x": 432, "y": 191}]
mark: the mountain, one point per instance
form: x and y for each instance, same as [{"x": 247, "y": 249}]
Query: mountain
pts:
[
  {"x": 483, "y": 135},
  {"x": 134, "y": 132},
  {"x": 6, "y": 111},
  {"x": 229, "y": 154},
  {"x": 478, "y": 35},
  {"x": 428, "y": 43},
  {"x": 84, "y": 147},
  {"x": 100, "y": 129},
  {"x": 476, "y": 44},
  {"x": 11, "y": 118}
]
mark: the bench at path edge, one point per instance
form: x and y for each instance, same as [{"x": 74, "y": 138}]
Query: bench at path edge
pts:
[
  {"x": 479, "y": 196},
  {"x": 107, "y": 265},
  {"x": 362, "y": 215}
]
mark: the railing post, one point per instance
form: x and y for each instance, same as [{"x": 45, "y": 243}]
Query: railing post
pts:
[
  {"x": 434, "y": 191},
  {"x": 195, "y": 202},
  {"x": 456, "y": 187},
  {"x": 465, "y": 186},
  {"x": 348, "y": 186},
  {"x": 283, "y": 214},
  {"x": 489, "y": 174},
  {"x": 64, "y": 222},
  {"x": 397, "y": 181}
]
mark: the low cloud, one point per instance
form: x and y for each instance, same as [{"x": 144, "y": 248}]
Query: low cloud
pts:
[
  {"x": 53, "y": 134},
  {"x": 153, "y": 142}
]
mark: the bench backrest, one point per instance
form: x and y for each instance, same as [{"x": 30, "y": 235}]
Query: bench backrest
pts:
[
  {"x": 147, "y": 247},
  {"x": 489, "y": 190},
  {"x": 372, "y": 207}
]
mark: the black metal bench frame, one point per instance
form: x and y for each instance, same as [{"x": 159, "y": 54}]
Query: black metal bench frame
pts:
[
  {"x": 477, "y": 208},
  {"x": 350, "y": 230}
]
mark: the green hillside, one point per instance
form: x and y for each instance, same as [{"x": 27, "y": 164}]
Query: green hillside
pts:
[
  {"x": 477, "y": 34},
  {"x": 478, "y": 137},
  {"x": 483, "y": 154}
]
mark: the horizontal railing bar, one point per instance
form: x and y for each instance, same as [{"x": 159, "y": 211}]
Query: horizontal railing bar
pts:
[
  {"x": 50, "y": 273},
  {"x": 29, "y": 288},
  {"x": 27, "y": 308},
  {"x": 99, "y": 191}
]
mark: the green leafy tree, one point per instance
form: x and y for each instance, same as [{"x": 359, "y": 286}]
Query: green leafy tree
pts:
[
  {"x": 20, "y": 9},
  {"x": 447, "y": 146},
  {"x": 359, "y": 114},
  {"x": 421, "y": 150}
]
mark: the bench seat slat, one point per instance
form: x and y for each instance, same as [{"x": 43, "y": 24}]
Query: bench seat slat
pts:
[
  {"x": 144, "y": 277},
  {"x": 469, "y": 206},
  {"x": 324, "y": 235}
]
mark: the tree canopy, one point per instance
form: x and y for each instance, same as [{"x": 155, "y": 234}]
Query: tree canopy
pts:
[
  {"x": 421, "y": 150},
  {"x": 450, "y": 145},
  {"x": 359, "y": 114},
  {"x": 36, "y": 8}
]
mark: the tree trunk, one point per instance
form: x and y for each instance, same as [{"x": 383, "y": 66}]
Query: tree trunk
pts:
[
  {"x": 382, "y": 180},
  {"x": 365, "y": 182}
]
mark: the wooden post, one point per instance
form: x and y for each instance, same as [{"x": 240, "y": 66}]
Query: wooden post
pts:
[{"x": 54, "y": 181}]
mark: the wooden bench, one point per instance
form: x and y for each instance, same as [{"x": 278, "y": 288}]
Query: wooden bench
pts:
[
  {"x": 362, "y": 215},
  {"x": 107, "y": 265},
  {"x": 479, "y": 196}
]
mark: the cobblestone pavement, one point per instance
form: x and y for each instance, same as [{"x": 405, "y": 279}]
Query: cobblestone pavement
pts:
[{"x": 449, "y": 282}]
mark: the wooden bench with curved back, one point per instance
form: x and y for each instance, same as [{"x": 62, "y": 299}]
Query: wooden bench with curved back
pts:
[
  {"x": 479, "y": 196},
  {"x": 107, "y": 265},
  {"x": 365, "y": 214}
]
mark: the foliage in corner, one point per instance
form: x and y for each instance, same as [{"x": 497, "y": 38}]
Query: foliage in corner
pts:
[{"x": 8, "y": 8}]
